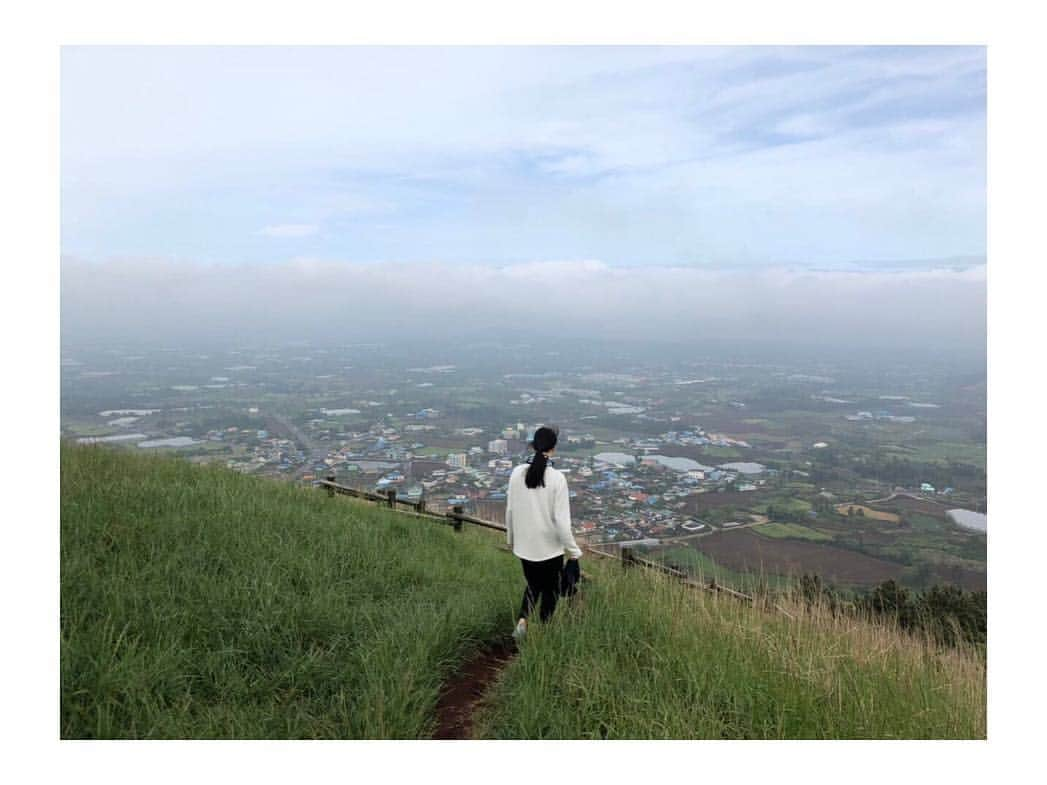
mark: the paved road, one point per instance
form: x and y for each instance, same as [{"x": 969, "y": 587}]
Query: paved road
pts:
[
  {"x": 906, "y": 495},
  {"x": 305, "y": 443},
  {"x": 696, "y": 535}
]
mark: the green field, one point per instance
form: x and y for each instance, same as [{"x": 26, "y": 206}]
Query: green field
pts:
[
  {"x": 436, "y": 452},
  {"x": 791, "y": 531},
  {"x": 925, "y": 523},
  {"x": 783, "y": 505},
  {"x": 943, "y": 452},
  {"x": 722, "y": 453},
  {"x": 578, "y": 451}
]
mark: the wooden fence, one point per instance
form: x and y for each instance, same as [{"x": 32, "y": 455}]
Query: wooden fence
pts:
[
  {"x": 630, "y": 559},
  {"x": 455, "y": 517}
]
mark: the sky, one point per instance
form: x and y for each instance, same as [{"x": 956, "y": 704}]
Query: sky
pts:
[{"x": 682, "y": 177}]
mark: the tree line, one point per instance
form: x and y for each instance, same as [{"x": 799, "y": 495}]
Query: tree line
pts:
[
  {"x": 948, "y": 614},
  {"x": 830, "y": 464}
]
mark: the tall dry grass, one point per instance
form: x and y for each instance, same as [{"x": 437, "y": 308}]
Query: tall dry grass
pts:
[{"x": 641, "y": 656}]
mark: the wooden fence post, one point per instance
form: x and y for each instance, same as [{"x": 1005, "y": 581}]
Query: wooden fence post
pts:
[
  {"x": 457, "y": 517},
  {"x": 627, "y": 556},
  {"x": 330, "y": 490},
  {"x": 421, "y": 503},
  {"x": 391, "y": 495}
]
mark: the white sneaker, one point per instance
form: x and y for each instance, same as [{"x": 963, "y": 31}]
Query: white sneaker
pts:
[{"x": 520, "y": 631}]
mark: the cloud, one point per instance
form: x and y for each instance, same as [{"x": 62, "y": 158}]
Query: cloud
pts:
[
  {"x": 634, "y": 155},
  {"x": 927, "y": 307},
  {"x": 289, "y": 230}
]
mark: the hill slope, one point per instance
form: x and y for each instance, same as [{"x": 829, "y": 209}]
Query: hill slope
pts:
[
  {"x": 641, "y": 656},
  {"x": 200, "y": 603}
]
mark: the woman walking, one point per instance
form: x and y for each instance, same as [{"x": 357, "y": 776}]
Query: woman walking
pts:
[{"x": 538, "y": 523}]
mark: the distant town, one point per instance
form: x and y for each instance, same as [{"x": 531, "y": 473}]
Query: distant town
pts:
[{"x": 671, "y": 456}]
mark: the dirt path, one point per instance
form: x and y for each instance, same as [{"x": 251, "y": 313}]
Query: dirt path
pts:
[{"x": 464, "y": 690}]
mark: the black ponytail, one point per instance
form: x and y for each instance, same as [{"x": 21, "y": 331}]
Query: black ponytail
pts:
[
  {"x": 544, "y": 440},
  {"x": 536, "y": 471}
]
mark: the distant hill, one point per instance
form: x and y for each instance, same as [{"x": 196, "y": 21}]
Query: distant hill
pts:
[{"x": 200, "y": 603}]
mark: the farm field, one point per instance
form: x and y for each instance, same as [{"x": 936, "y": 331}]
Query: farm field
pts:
[
  {"x": 782, "y": 505},
  {"x": 701, "y": 502},
  {"x": 793, "y": 531},
  {"x": 705, "y": 454},
  {"x": 859, "y": 552},
  {"x": 943, "y": 452},
  {"x": 868, "y": 512},
  {"x": 745, "y": 550},
  {"x": 578, "y": 451},
  {"x": 905, "y": 539},
  {"x": 905, "y": 504},
  {"x": 704, "y": 568}
]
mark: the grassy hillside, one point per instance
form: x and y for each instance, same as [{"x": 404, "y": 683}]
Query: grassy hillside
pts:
[
  {"x": 199, "y": 603},
  {"x": 641, "y": 656}
]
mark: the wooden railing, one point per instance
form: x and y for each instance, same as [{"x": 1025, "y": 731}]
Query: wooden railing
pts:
[
  {"x": 629, "y": 559},
  {"x": 455, "y": 517}
]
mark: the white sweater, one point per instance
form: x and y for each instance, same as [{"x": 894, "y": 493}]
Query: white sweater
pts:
[{"x": 538, "y": 520}]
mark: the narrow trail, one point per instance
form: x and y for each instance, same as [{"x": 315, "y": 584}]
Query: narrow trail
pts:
[{"x": 464, "y": 690}]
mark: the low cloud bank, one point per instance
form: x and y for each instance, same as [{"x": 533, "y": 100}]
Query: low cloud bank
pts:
[{"x": 171, "y": 301}]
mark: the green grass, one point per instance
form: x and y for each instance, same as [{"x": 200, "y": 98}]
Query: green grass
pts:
[
  {"x": 577, "y": 451},
  {"x": 639, "y": 656},
  {"x": 943, "y": 452},
  {"x": 924, "y": 523},
  {"x": 437, "y": 452},
  {"x": 84, "y": 429},
  {"x": 791, "y": 531},
  {"x": 198, "y": 603},
  {"x": 724, "y": 453},
  {"x": 784, "y": 505}
]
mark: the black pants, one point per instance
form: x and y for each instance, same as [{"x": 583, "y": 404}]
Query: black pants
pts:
[{"x": 543, "y": 581}]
